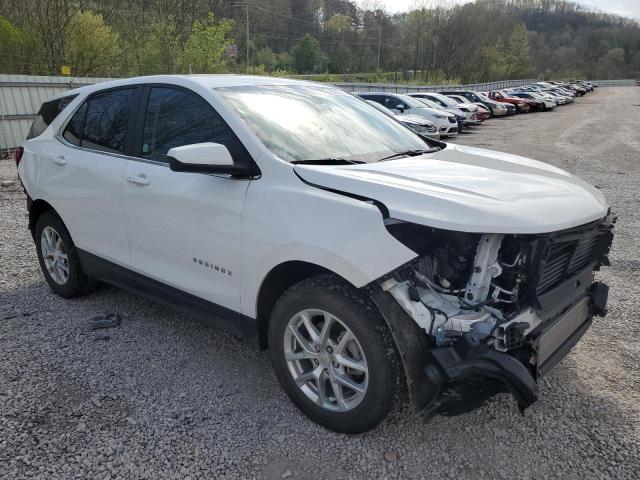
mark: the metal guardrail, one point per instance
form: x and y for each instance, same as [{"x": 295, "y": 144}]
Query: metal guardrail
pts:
[
  {"x": 400, "y": 88},
  {"x": 615, "y": 83}
]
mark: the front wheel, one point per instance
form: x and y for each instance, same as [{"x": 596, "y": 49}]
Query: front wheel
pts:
[{"x": 334, "y": 355}]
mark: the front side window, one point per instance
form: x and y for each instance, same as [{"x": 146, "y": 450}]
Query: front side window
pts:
[
  {"x": 393, "y": 103},
  {"x": 176, "y": 117},
  {"x": 47, "y": 114},
  {"x": 308, "y": 122},
  {"x": 106, "y": 122}
]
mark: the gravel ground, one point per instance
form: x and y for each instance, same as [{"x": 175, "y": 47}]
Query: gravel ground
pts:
[{"x": 163, "y": 397}]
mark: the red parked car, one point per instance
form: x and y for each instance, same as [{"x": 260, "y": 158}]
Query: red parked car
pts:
[
  {"x": 522, "y": 104},
  {"x": 482, "y": 113}
]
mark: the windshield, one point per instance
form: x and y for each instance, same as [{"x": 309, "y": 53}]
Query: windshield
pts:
[
  {"x": 446, "y": 100},
  {"x": 482, "y": 96},
  {"x": 305, "y": 123},
  {"x": 429, "y": 103},
  {"x": 412, "y": 102}
]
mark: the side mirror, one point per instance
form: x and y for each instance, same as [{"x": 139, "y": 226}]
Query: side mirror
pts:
[
  {"x": 400, "y": 107},
  {"x": 204, "y": 158}
]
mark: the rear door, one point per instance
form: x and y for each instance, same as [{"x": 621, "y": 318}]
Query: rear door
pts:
[
  {"x": 184, "y": 228},
  {"x": 89, "y": 158}
]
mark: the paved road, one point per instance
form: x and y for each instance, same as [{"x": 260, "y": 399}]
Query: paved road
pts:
[{"x": 163, "y": 397}]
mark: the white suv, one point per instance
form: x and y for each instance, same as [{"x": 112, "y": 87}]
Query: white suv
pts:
[{"x": 361, "y": 254}]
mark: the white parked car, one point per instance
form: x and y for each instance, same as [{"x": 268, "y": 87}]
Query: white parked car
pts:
[
  {"x": 560, "y": 99},
  {"x": 548, "y": 100},
  {"x": 420, "y": 125},
  {"x": 358, "y": 252},
  {"x": 446, "y": 122},
  {"x": 482, "y": 108},
  {"x": 467, "y": 110}
]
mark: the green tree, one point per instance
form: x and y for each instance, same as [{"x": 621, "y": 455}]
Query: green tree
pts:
[
  {"x": 91, "y": 47},
  {"x": 12, "y": 46},
  {"x": 516, "y": 53},
  {"x": 266, "y": 58},
  {"x": 307, "y": 55},
  {"x": 339, "y": 24},
  {"x": 206, "y": 47}
]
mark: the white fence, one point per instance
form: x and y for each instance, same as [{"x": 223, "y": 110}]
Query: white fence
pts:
[
  {"x": 22, "y": 95},
  {"x": 20, "y": 100}
]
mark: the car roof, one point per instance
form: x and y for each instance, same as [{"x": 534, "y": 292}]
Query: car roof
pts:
[{"x": 205, "y": 80}]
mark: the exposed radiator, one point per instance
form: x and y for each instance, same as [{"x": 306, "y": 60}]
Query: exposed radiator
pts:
[{"x": 553, "y": 338}]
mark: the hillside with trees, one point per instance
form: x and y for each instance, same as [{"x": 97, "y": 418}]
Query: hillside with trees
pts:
[{"x": 474, "y": 42}]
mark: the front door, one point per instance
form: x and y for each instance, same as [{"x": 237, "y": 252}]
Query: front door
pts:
[{"x": 184, "y": 228}]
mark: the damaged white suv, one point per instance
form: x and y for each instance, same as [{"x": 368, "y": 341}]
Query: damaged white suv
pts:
[{"x": 361, "y": 254}]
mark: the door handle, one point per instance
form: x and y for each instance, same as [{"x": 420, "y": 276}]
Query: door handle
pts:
[
  {"x": 59, "y": 160},
  {"x": 140, "y": 179}
]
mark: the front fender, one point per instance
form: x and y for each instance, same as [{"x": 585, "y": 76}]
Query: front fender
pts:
[{"x": 300, "y": 222}]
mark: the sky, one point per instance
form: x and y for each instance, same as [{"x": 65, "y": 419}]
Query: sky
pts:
[{"x": 627, "y": 8}]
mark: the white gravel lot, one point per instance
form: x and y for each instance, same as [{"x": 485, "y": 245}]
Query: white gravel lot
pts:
[{"x": 163, "y": 397}]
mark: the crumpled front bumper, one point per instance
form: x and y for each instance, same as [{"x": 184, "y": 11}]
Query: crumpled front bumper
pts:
[{"x": 455, "y": 379}]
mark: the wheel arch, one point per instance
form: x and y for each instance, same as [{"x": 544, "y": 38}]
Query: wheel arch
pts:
[
  {"x": 279, "y": 279},
  {"x": 36, "y": 208}
]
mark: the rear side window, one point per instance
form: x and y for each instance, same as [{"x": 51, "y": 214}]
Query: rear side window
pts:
[
  {"x": 176, "y": 117},
  {"x": 47, "y": 114},
  {"x": 106, "y": 122},
  {"x": 73, "y": 132},
  {"x": 102, "y": 122}
]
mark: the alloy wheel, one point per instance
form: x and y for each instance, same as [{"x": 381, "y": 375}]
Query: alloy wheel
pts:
[
  {"x": 326, "y": 360},
  {"x": 54, "y": 255}
]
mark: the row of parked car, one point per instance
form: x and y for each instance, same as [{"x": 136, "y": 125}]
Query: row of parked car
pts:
[{"x": 447, "y": 113}]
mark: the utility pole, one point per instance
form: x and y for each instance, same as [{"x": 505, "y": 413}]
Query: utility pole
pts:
[
  {"x": 379, "y": 44},
  {"x": 247, "y": 37}
]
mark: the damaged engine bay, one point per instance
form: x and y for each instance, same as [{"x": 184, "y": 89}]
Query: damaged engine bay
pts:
[{"x": 506, "y": 307}]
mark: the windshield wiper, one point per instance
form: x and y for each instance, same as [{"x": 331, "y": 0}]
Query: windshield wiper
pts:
[
  {"x": 410, "y": 153},
  {"x": 325, "y": 161}
]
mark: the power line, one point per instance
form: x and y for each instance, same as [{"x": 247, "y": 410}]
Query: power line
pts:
[
  {"x": 302, "y": 21},
  {"x": 327, "y": 42}
]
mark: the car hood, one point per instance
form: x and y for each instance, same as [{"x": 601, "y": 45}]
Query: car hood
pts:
[
  {"x": 432, "y": 111},
  {"x": 417, "y": 119},
  {"x": 471, "y": 106},
  {"x": 456, "y": 111},
  {"x": 468, "y": 189}
]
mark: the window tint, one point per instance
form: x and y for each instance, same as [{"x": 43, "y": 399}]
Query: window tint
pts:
[
  {"x": 176, "y": 117},
  {"x": 73, "y": 132},
  {"x": 107, "y": 121},
  {"x": 375, "y": 98},
  {"x": 47, "y": 114},
  {"x": 391, "y": 102}
]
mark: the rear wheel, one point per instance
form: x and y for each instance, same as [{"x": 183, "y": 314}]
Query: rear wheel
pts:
[
  {"x": 58, "y": 258},
  {"x": 333, "y": 355}
]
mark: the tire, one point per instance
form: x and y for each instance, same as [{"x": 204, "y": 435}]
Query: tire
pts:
[
  {"x": 76, "y": 283},
  {"x": 373, "y": 349}
]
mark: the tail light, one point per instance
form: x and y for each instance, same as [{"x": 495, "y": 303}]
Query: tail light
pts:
[{"x": 17, "y": 155}]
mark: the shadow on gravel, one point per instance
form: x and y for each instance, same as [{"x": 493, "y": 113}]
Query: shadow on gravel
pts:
[{"x": 161, "y": 375}]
